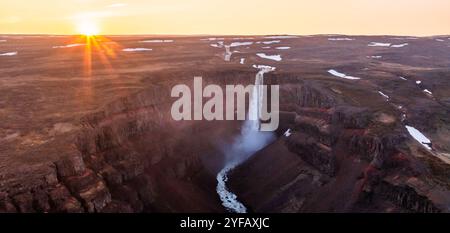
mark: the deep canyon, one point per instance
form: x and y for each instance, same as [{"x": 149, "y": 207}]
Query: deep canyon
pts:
[{"x": 363, "y": 128}]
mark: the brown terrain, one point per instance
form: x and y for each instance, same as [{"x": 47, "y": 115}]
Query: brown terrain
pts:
[{"x": 87, "y": 128}]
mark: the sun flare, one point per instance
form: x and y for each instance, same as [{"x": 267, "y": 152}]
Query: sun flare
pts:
[{"x": 88, "y": 28}]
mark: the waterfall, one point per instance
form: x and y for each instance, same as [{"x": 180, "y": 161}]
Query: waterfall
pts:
[{"x": 246, "y": 144}]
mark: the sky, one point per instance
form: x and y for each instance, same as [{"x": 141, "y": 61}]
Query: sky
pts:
[{"x": 226, "y": 17}]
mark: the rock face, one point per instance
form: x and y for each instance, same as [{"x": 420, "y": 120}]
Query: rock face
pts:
[
  {"x": 130, "y": 157},
  {"x": 338, "y": 158}
]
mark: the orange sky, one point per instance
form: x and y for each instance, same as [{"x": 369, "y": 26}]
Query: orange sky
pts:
[{"x": 399, "y": 17}]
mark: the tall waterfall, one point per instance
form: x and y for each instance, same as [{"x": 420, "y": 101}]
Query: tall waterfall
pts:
[{"x": 246, "y": 144}]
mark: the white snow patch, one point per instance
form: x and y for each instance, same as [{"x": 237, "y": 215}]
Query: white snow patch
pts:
[
  {"x": 242, "y": 61},
  {"x": 266, "y": 47},
  {"x": 243, "y": 38},
  {"x": 375, "y": 57},
  {"x": 157, "y": 41},
  {"x": 265, "y": 68},
  {"x": 136, "y": 49},
  {"x": 236, "y": 44},
  {"x": 271, "y": 42},
  {"x": 418, "y": 82},
  {"x": 342, "y": 75},
  {"x": 405, "y": 38},
  {"x": 288, "y": 133},
  {"x": 9, "y": 54},
  {"x": 270, "y": 57},
  {"x": 280, "y": 37},
  {"x": 440, "y": 40},
  {"x": 377, "y": 44},
  {"x": 428, "y": 92},
  {"x": 68, "y": 46},
  {"x": 216, "y": 45},
  {"x": 402, "y": 78},
  {"x": 212, "y": 39},
  {"x": 283, "y": 48},
  {"x": 384, "y": 95},
  {"x": 418, "y": 136},
  {"x": 399, "y": 45},
  {"x": 340, "y": 39}
]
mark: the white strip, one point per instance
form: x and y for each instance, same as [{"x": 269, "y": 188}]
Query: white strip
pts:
[
  {"x": 340, "y": 39},
  {"x": 384, "y": 95},
  {"x": 156, "y": 41},
  {"x": 280, "y": 37},
  {"x": 9, "y": 54},
  {"x": 136, "y": 49},
  {"x": 283, "y": 48},
  {"x": 342, "y": 75},
  {"x": 213, "y": 39},
  {"x": 270, "y": 57},
  {"x": 271, "y": 42},
  {"x": 418, "y": 136},
  {"x": 288, "y": 133},
  {"x": 377, "y": 44},
  {"x": 236, "y": 44},
  {"x": 68, "y": 46},
  {"x": 399, "y": 45},
  {"x": 428, "y": 92}
]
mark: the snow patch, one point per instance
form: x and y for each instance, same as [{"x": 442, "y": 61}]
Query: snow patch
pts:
[
  {"x": 271, "y": 42},
  {"x": 242, "y": 61},
  {"x": 418, "y": 82},
  {"x": 265, "y": 68},
  {"x": 243, "y": 38},
  {"x": 67, "y": 46},
  {"x": 375, "y": 57},
  {"x": 236, "y": 44},
  {"x": 136, "y": 49},
  {"x": 384, "y": 95},
  {"x": 428, "y": 92},
  {"x": 283, "y": 48},
  {"x": 212, "y": 39},
  {"x": 280, "y": 37},
  {"x": 266, "y": 47},
  {"x": 377, "y": 44},
  {"x": 402, "y": 78},
  {"x": 157, "y": 41},
  {"x": 9, "y": 54},
  {"x": 418, "y": 136},
  {"x": 399, "y": 45},
  {"x": 340, "y": 39},
  {"x": 288, "y": 133},
  {"x": 440, "y": 40},
  {"x": 342, "y": 75},
  {"x": 270, "y": 57}
]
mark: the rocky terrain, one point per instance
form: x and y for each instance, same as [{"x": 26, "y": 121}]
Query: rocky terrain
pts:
[{"x": 85, "y": 125}]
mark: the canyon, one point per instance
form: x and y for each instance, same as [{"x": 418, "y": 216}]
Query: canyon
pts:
[{"x": 95, "y": 133}]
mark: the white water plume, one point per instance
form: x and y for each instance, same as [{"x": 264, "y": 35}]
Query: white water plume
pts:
[{"x": 250, "y": 141}]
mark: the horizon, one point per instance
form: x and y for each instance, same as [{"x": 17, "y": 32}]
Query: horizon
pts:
[
  {"x": 225, "y": 35},
  {"x": 199, "y": 17}
]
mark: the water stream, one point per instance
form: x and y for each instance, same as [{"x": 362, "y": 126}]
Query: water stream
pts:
[{"x": 250, "y": 141}]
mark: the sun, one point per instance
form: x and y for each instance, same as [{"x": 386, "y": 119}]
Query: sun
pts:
[{"x": 88, "y": 28}]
